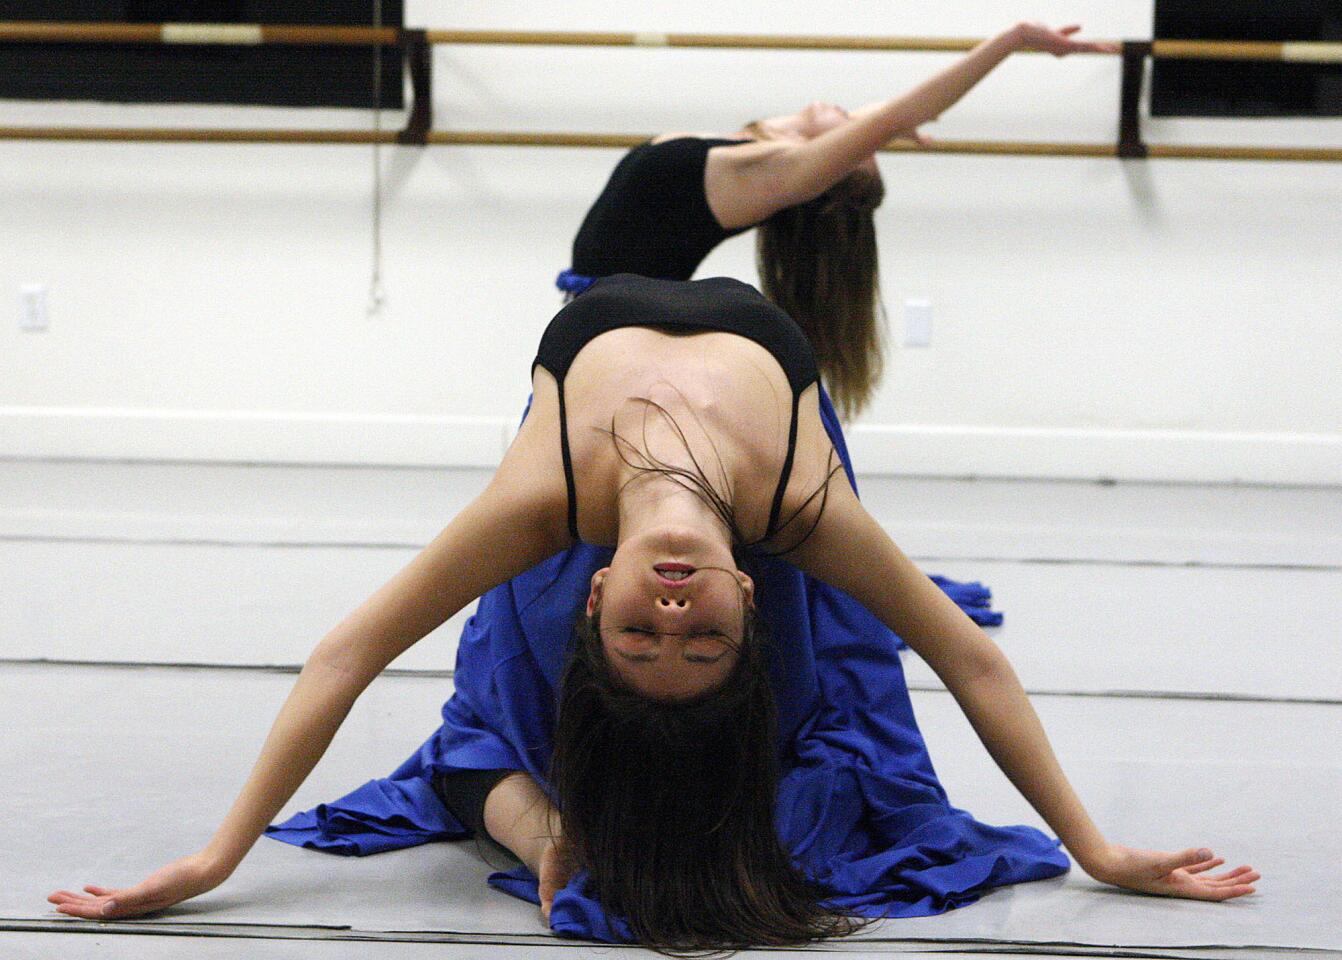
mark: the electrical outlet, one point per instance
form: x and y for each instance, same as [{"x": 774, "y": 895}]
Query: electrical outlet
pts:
[
  {"x": 33, "y": 307},
  {"x": 917, "y": 323}
]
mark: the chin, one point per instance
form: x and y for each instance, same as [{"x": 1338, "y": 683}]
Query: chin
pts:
[
  {"x": 681, "y": 545},
  {"x": 684, "y": 539}
]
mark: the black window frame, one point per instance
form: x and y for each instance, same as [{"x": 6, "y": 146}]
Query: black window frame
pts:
[
  {"x": 1246, "y": 88},
  {"x": 283, "y": 75}
]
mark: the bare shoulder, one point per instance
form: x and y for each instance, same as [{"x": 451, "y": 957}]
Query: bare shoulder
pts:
[
  {"x": 732, "y": 156},
  {"x": 686, "y": 135},
  {"x": 750, "y": 152}
]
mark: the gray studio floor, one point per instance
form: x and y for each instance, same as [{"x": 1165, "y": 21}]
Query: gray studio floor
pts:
[{"x": 1181, "y": 643}]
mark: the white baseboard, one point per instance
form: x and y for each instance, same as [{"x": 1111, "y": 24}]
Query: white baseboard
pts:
[
  {"x": 231, "y": 436},
  {"x": 242, "y": 436},
  {"x": 1157, "y": 456}
]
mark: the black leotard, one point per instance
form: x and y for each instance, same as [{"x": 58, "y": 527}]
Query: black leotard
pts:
[
  {"x": 717, "y": 304},
  {"x": 653, "y": 217}
]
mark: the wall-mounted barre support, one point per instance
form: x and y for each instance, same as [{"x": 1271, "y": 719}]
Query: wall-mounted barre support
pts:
[
  {"x": 419, "y": 60},
  {"x": 1130, "y": 145},
  {"x": 252, "y": 34}
]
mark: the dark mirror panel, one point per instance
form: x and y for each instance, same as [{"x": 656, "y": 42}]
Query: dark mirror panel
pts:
[
  {"x": 1214, "y": 88},
  {"x": 303, "y": 76}
]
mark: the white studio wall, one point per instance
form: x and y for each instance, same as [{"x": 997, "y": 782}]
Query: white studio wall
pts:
[{"x": 1161, "y": 320}]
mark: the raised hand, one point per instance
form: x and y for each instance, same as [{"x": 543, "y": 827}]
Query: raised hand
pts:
[
  {"x": 1037, "y": 36},
  {"x": 1187, "y": 874},
  {"x": 180, "y": 880}
]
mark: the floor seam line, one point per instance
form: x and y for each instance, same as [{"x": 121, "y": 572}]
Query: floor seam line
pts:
[
  {"x": 426, "y": 674},
  {"x": 279, "y": 931},
  {"x": 416, "y": 545}
]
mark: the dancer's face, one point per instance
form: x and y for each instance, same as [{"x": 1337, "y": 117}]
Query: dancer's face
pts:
[
  {"x": 810, "y": 121},
  {"x": 671, "y": 626}
]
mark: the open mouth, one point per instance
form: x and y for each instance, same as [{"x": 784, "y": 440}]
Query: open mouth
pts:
[{"x": 674, "y": 572}]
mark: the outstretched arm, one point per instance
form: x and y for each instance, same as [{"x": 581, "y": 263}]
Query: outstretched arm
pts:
[
  {"x": 520, "y": 816},
  {"x": 783, "y": 174},
  {"x": 850, "y": 550},
  {"x": 503, "y": 532},
  {"x": 935, "y": 96}
]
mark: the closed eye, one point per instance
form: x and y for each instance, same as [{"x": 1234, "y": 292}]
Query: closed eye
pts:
[
  {"x": 700, "y": 658},
  {"x": 637, "y": 657},
  {"x": 689, "y": 657},
  {"x": 706, "y": 657}
]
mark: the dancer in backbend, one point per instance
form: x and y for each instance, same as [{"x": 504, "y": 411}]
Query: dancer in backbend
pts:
[
  {"x": 809, "y": 183},
  {"x": 701, "y": 786}
]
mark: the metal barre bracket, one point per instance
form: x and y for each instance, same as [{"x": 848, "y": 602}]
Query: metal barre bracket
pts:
[
  {"x": 1130, "y": 145},
  {"x": 419, "y": 58}
]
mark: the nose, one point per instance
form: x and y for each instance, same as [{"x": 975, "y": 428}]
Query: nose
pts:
[{"x": 672, "y": 603}]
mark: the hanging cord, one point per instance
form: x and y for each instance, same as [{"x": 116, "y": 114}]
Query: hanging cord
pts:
[{"x": 375, "y": 292}]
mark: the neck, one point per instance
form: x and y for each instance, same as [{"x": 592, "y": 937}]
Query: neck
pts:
[
  {"x": 654, "y": 507},
  {"x": 769, "y": 129}
]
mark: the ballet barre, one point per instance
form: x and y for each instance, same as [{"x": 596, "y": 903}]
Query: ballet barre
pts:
[
  {"x": 498, "y": 138},
  {"x": 418, "y": 131},
  {"x": 291, "y": 34}
]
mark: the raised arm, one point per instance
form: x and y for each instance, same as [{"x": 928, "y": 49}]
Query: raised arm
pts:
[
  {"x": 780, "y": 174},
  {"x": 850, "y": 551},
  {"x": 507, "y": 529},
  {"x": 935, "y": 96}
]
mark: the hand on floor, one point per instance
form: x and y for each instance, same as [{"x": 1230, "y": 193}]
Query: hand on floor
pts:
[
  {"x": 1187, "y": 874},
  {"x": 556, "y": 869},
  {"x": 180, "y": 880}
]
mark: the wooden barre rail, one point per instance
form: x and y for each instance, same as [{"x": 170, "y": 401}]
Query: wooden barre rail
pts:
[
  {"x": 524, "y": 139},
  {"x": 1299, "y": 51},
  {"x": 1003, "y": 148},
  {"x": 1286, "y": 51},
  {"x": 720, "y": 41},
  {"x": 291, "y": 34}
]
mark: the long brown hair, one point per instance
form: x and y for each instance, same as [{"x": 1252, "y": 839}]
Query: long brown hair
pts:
[
  {"x": 669, "y": 807},
  {"x": 817, "y": 261}
]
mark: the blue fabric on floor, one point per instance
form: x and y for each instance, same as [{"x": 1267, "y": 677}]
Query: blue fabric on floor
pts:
[
  {"x": 859, "y": 804},
  {"x": 973, "y": 598}
]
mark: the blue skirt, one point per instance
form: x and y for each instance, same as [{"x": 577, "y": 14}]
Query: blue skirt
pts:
[{"x": 859, "y": 804}]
